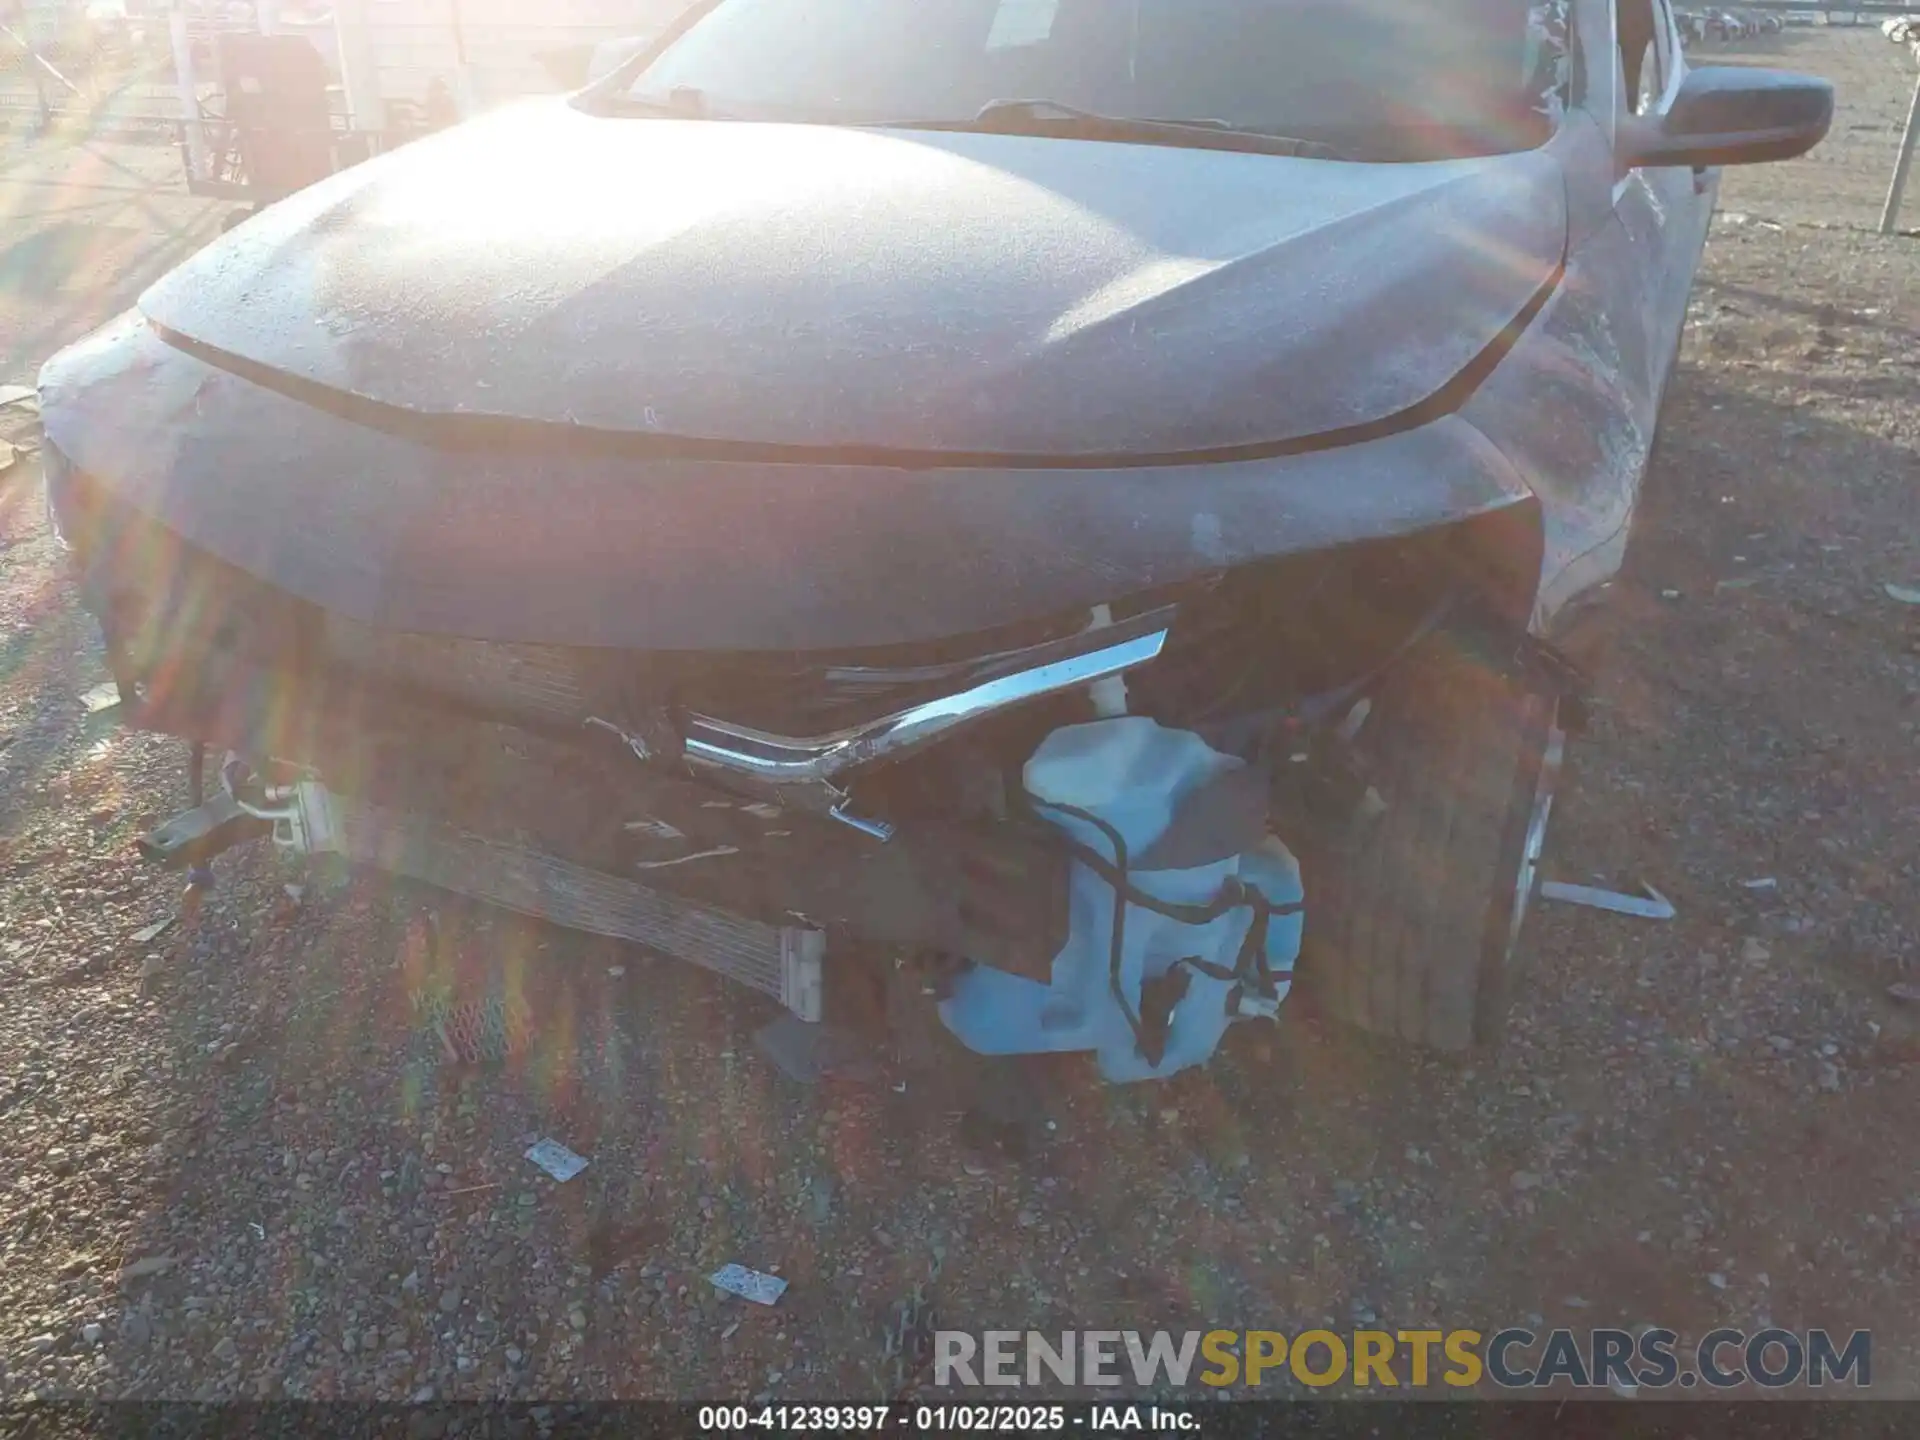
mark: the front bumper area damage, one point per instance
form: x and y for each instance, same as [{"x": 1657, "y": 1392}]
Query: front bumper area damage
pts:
[
  {"x": 781, "y": 961},
  {"x": 1084, "y": 832}
]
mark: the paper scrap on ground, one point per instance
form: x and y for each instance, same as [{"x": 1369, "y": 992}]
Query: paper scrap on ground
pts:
[
  {"x": 103, "y": 696},
  {"x": 1657, "y": 908},
  {"x": 554, "y": 1158},
  {"x": 749, "y": 1284}
]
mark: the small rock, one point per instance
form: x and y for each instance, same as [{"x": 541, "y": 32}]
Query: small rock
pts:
[
  {"x": 1524, "y": 1180},
  {"x": 1753, "y": 951},
  {"x": 91, "y": 1333},
  {"x": 42, "y": 1344},
  {"x": 515, "y": 1355},
  {"x": 1779, "y": 1044},
  {"x": 60, "y": 1161},
  {"x": 577, "y": 1318},
  {"x": 423, "y": 1395},
  {"x": 1717, "y": 1280},
  {"x": 1027, "y": 1219},
  {"x": 450, "y": 1300},
  {"x": 226, "y": 1351},
  {"x": 411, "y": 1285}
]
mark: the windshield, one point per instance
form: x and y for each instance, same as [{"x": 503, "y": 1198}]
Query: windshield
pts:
[{"x": 1489, "y": 71}]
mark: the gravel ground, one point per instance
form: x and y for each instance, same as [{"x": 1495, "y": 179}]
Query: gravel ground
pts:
[{"x": 230, "y": 1166}]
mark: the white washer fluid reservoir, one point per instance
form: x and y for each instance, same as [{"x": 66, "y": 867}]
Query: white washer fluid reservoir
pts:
[{"x": 1131, "y": 774}]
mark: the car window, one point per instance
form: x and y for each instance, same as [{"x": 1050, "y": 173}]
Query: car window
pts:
[
  {"x": 1552, "y": 74},
  {"x": 1666, "y": 39},
  {"x": 1492, "y": 69},
  {"x": 1642, "y": 75}
]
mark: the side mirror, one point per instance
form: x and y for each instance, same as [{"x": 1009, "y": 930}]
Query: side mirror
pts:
[{"x": 1731, "y": 115}]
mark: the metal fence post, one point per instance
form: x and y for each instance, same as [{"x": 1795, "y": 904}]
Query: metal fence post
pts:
[
  {"x": 359, "y": 67},
  {"x": 190, "y": 125},
  {"x": 1905, "y": 163}
]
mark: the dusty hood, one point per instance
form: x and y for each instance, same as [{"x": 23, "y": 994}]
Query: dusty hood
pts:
[{"x": 794, "y": 285}]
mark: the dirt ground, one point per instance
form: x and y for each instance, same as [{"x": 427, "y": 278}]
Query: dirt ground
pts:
[{"x": 229, "y": 1166}]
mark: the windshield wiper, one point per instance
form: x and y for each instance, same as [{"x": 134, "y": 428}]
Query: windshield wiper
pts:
[
  {"x": 683, "y": 102},
  {"x": 1052, "y": 117}
]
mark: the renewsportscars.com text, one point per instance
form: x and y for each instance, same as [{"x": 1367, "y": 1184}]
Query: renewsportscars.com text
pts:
[{"x": 1511, "y": 1358}]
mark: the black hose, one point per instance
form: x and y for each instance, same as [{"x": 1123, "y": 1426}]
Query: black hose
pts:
[{"x": 1233, "y": 895}]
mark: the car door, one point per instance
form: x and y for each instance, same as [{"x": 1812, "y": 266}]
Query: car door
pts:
[{"x": 1663, "y": 209}]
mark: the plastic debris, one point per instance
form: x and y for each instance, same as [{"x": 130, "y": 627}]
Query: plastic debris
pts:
[
  {"x": 1905, "y": 993},
  {"x": 493, "y": 1028},
  {"x": 1902, "y": 593},
  {"x": 103, "y": 696},
  {"x": 749, "y": 1284},
  {"x": 1656, "y": 908},
  {"x": 557, "y": 1160},
  {"x": 147, "y": 934},
  {"x": 1769, "y": 883}
]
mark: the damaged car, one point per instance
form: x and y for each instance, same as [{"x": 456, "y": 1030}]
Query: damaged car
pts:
[{"x": 1052, "y": 511}]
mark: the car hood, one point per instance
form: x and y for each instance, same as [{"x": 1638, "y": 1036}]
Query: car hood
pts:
[{"x": 840, "y": 290}]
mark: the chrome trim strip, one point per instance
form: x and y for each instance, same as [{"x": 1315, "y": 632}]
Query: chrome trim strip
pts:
[{"x": 779, "y": 760}]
